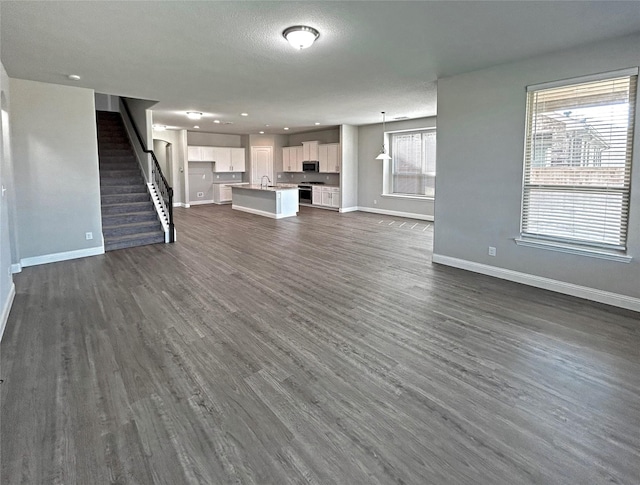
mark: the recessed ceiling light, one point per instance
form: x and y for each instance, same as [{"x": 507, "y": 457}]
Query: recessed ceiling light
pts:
[
  {"x": 74, "y": 77},
  {"x": 194, "y": 115},
  {"x": 286, "y": 128},
  {"x": 261, "y": 132},
  {"x": 317, "y": 124},
  {"x": 244, "y": 114},
  {"x": 159, "y": 127},
  {"x": 216, "y": 121},
  {"x": 196, "y": 126},
  {"x": 300, "y": 36}
]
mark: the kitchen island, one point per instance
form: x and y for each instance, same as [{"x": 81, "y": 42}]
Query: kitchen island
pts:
[{"x": 277, "y": 201}]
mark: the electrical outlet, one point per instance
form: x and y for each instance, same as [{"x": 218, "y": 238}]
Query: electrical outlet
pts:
[
  {"x": 217, "y": 176},
  {"x": 200, "y": 194},
  {"x": 279, "y": 176},
  {"x": 327, "y": 177},
  {"x": 375, "y": 201},
  {"x": 233, "y": 176},
  {"x": 492, "y": 251},
  {"x": 88, "y": 235}
]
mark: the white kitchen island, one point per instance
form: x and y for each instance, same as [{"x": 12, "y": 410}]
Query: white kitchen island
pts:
[{"x": 277, "y": 202}]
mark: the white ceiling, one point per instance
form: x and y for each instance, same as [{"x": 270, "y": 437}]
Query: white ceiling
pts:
[{"x": 224, "y": 58}]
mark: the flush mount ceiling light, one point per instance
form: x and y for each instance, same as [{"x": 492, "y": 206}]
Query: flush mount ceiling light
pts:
[
  {"x": 73, "y": 77},
  {"x": 300, "y": 36},
  {"x": 244, "y": 114},
  {"x": 194, "y": 115},
  {"x": 216, "y": 121},
  {"x": 159, "y": 127},
  {"x": 383, "y": 153}
]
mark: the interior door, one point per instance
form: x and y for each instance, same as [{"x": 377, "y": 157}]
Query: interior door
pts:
[{"x": 261, "y": 164}]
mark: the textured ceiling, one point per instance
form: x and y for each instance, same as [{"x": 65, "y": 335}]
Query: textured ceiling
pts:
[{"x": 224, "y": 58}]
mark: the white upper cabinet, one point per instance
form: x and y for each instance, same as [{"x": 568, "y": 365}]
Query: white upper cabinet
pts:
[
  {"x": 226, "y": 159},
  {"x": 292, "y": 159},
  {"x": 329, "y": 157},
  {"x": 194, "y": 154},
  {"x": 238, "y": 160},
  {"x": 309, "y": 151},
  {"x": 222, "y": 157},
  {"x": 286, "y": 159},
  {"x": 299, "y": 159}
]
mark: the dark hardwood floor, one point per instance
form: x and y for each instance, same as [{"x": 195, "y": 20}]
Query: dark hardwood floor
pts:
[{"x": 325, "y": 349}]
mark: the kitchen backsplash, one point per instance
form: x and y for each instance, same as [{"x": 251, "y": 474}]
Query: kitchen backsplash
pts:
[{"x": 298, "y": 177}]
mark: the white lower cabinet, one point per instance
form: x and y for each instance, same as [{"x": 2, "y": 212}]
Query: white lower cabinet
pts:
[
  {"x": 316, "y": 195},
  {"x": 221, "y": 193},
  {"x": 326, "y": 197}
]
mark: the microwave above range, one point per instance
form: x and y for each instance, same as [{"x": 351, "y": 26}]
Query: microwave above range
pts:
[{"x": 310, "y": 167}]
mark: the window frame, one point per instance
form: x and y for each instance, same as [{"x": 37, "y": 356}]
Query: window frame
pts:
[
  {"x": 567, "y": 245},
  {"x": 389, "y": 165}
]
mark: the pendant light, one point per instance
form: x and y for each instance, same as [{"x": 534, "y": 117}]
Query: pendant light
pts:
[{"x": 383, "y": 153}]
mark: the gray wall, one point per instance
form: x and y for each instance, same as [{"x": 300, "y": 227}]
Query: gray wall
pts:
[
  {"x": 55, "y": 154},
  {"x": 213, "y": 139},
  {"x": 370, "y": 171},
  {"x": 323, "y": 136},
  {"x": 142, "y": 117},
  {"x": 107, "y": 102},
  {"x": 481, "y": 123}
]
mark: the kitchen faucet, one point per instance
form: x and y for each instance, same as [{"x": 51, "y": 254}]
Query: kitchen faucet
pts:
[{"x": 263, "y": 185}]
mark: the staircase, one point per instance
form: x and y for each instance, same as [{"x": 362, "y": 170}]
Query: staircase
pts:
[{"x": 128, "y": 215}]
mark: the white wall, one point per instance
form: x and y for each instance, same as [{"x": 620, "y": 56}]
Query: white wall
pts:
[
  {"x": 349, "y": 170},
  {"x": 8, "y": 251},
  {"x": 370, "y": 172},
  {"x": 55, "y": 157},
  {"x": 481, "y": 124}
]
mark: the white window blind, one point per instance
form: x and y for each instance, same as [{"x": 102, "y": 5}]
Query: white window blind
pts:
[
  {"x": 414, "y": 163},
  {"x": 577, "y": 167}
]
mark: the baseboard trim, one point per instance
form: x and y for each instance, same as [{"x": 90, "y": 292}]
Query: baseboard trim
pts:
[
  {"x": 201, "y": 202},
  {"x": 348, "y": 209},
  {"x": 16, "y": 268},
  {"x": 261, "y": 213},
  {"x": 180, "y": 204},
  {"x": 593, "y": 294},
  {"x": 409, "y": 215},
  {"x": 7, "y": 308},
  {"x": 56, "y": 257}
]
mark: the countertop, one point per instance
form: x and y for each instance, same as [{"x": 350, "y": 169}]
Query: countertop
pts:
[{"x": 269, "y": 188}]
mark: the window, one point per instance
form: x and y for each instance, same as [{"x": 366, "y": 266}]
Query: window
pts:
[
  {"x": 413, "y": 165},
  {"x": 577, "y": 166}
]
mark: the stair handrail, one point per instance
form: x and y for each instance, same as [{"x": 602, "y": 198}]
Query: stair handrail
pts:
[{"x": 163, "y": 186}]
